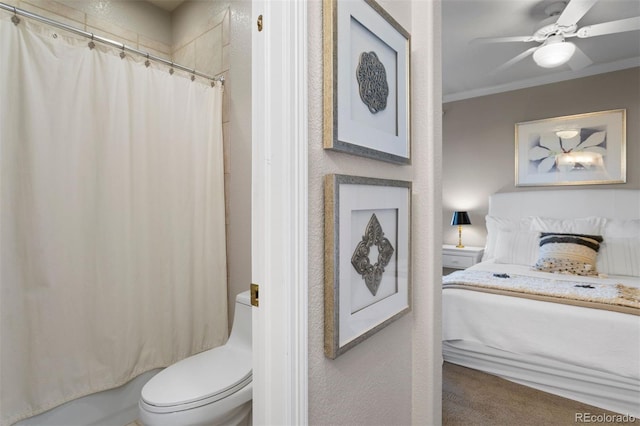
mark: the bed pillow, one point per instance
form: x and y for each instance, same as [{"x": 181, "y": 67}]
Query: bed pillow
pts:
[
  {"x": 620, "y": 256},
  {"x": 622, "y": 228},
  {"x": 568, "y": 253},
  {"x": 583, "y": 225},
  {"x": 620, "y": 251},
  {"x": 518, "y": 247},
  {"x": 495, "y": 224}
]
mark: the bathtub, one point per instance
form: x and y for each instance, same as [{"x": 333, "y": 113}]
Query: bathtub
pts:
[{"x": 114, "y": 407}]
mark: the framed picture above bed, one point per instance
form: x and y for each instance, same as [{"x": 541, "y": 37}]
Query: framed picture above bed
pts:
[
  {"x": 367, "y": 253},
  {"x": 366, "y": 81},
  {"x": 583, "y": 149}
]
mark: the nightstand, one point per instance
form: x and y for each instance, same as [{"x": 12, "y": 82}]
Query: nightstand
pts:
[{"x": 460, "y": 258}]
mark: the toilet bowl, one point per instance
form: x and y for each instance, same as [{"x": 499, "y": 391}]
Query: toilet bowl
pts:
[{"x": 211, "y": 388}]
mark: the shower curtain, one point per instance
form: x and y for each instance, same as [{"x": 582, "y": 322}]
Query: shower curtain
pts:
[{"x": 113, "y": 220}]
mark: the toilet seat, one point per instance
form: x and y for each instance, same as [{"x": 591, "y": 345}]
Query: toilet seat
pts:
[{"x": 198, "y": 380}]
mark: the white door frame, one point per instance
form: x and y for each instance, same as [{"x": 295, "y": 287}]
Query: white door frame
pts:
[{"x": 279, "y": 212}]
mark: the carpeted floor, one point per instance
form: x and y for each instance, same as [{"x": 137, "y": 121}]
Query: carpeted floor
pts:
[{"x": 473, "y": 398}]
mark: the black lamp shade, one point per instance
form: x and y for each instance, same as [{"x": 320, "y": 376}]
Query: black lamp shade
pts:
[{"x": 460, "y": 218}]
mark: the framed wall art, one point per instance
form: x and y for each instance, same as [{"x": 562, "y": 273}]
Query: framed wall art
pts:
[
  {"x": 582, "y": 149},
  {"x": 366, "y": 81},
  {"x": 367, "y": 258}
]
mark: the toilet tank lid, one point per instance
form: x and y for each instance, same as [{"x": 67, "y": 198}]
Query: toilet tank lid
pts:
[{"x": 198, "y": 377}]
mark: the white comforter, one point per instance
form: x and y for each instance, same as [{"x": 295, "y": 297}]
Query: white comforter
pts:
[{"x": 597, "y": 339}]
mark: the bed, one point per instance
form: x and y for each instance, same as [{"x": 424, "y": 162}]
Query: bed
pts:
[{"x": 577, "y": 336}]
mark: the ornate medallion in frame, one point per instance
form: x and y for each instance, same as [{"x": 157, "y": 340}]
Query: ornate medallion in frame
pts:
[
  {"x": 367, "y": 258},
  {"x": 366, "y": 81}
]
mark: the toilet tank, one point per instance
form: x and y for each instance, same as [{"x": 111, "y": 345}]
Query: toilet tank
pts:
[{"x": 241, "y": 328}]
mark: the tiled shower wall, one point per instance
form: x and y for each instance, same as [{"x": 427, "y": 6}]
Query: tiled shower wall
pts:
[
  {"x": 136, "y": 24},
  {"x": 195, "y": 35}
]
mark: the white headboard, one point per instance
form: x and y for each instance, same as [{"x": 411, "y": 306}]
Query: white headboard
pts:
[{"x": 572, "y": 203}]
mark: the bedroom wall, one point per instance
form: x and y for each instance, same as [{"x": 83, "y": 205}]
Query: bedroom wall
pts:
[{"x": 479, "y": 148}]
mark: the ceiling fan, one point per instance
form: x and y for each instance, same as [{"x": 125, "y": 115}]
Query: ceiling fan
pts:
[{"x": 562, "y": 23}]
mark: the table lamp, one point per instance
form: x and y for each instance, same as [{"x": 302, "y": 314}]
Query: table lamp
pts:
[{"x": 460, "y": 218}]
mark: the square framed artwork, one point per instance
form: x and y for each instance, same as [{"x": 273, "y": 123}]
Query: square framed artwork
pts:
[
  {"x": 582, "y": 149},
  {"x": 367, "y": 258},
  {"x": 366, "y": 81}
]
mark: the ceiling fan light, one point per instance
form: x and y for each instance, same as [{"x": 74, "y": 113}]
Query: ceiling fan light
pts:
[{"x": 554, "y": 54}]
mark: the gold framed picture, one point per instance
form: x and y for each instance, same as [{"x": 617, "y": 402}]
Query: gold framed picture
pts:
[
  {"x": 366, "y": 81},
  {"x": 367, "y": 258}
]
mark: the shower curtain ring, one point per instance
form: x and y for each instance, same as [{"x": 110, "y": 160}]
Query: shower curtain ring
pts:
[
  {"x": 91, "y": 43},
  {"x": 171, "y": 69},
  {"x": 122, "y": 54},
  {"x": 15, "y": 18},
  {"x": 193, "y": 74},
  {"x": 147, "y": 62}
]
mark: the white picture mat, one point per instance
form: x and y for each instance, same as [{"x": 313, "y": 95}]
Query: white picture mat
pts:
[
  {"x": 613, "y": 122},
  {"x": 352, "y": 126},
  {"x": 375, "y": 198}
]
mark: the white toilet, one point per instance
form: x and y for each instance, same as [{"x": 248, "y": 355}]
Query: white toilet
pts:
[{"x": 211, "y": 388}]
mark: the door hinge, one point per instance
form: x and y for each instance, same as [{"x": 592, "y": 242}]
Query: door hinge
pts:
[
  {"x": 259, "y": 23},
  {"x": 254, "y": 294}
]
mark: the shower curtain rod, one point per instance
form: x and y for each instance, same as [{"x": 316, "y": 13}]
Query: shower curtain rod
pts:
[{"x": 17, "y": 11}]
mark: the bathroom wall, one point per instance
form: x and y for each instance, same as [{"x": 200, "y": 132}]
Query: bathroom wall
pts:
[
  {"x": 214, "y": 38},
  {"x": 394, "y": 376},
  {"x": 479, "y": 147}
]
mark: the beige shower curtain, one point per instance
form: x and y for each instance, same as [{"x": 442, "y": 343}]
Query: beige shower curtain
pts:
[{"x": 112, "y": 223}]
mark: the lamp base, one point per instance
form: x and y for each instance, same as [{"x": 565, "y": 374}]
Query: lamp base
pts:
[{"x": 459, "y": 237}]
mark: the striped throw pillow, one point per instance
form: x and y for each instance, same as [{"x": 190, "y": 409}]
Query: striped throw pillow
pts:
[{"x": 568, "y": 253}]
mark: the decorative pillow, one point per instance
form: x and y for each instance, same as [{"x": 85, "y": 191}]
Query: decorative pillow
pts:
[
  {"x": 517, "y": 247},
  {"x": 495, "y": 224},
  {"x": 592, "y": 225},
  {"x": 568, "y": 253}
]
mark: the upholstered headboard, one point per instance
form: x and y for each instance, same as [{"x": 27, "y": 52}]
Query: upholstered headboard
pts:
[
  {"x": 513, "y": 215},
  {"x": 572, "y": 203}
]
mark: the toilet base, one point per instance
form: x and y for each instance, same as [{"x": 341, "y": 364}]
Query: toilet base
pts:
[{"x": 241, "y": 416}]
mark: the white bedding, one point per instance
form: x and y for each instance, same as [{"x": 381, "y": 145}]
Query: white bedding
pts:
[
  {"x": 597, "y": 339},
  {"x": 589, "y": 355}
]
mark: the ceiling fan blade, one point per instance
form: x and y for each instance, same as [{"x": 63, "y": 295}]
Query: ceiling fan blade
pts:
[
  {"x": 620, "y": 26},
  {"x": 501, "y": 39},
  {"x": 515, "y": 60},
  {"x": 579, "y": 60},
  {"x": 574, "y": 11}
]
